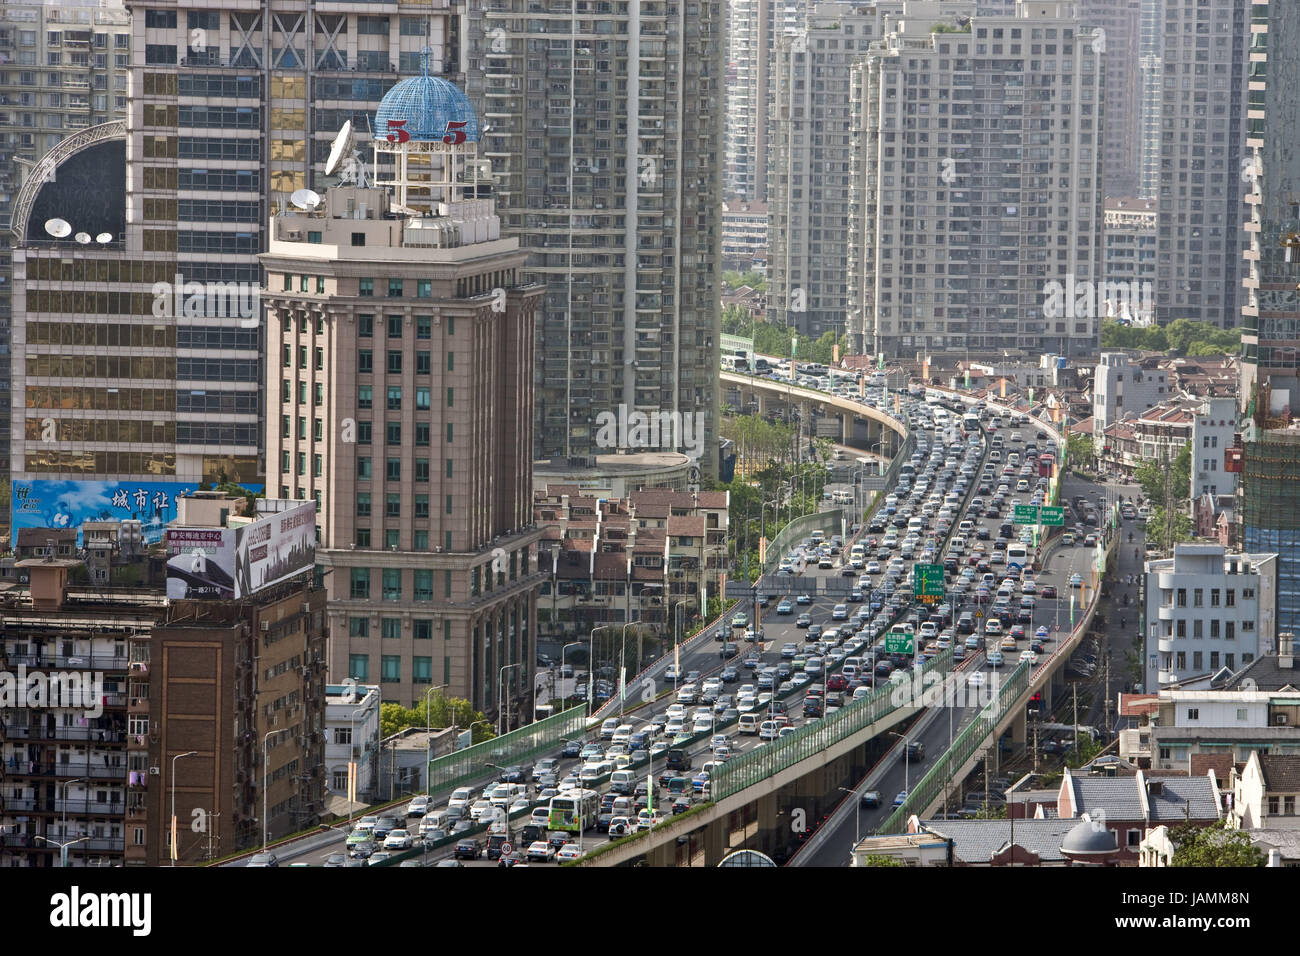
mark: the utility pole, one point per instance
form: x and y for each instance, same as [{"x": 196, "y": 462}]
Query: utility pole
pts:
[
  {"x": 1106, "y": 712},
  {"x": 1035, "y": 746},
  {"x": 1075, "y": 694}
]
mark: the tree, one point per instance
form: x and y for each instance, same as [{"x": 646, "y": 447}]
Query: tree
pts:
[
  {"x": 1080, "y": 450},
  {"x": 439, "y": 712},
  {"x": 1214, "y": 845},
  {"x": 879, "y": 859},
  {"x": 1165, "y": 527},
  {"x": 1083, "y": 752}
]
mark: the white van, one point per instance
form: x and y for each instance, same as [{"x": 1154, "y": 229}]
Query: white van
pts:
[
  {"x": 623, "y": 781},
  {"x": 608, "y": 727},
  {"x": 749, "y": 724},
  {"x": 461, "y": 797}
]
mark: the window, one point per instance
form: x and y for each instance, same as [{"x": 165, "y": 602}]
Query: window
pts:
[
  {"x": 394, "y": 326},
  {"x": 1134, "y": 837},
  {"x": 1193, "y": 713},
  {"x": 318, "y": 429},
  {"x": 318, "y": 466},
  {"x": 285, "y": 430},
  {"x": 363, "y": 468},
  {"x": 320, "y": 360},
  {"x": 1231, "y": 598},
  {"x": 393, "y": 469},
  {"x": 359, "y": 668},
  {"x": 423, "y": 584},
  {"x": 421, "y": 541},
  {"x": 394, "y": 398},
  {"x": 362, "y": 537},
  {"x": 391, "y": 628},
  {"x": 448, "y": 467},
  {"x": 302, "y": 463},
  {"x": 320, "y": 283},
  {"x": 423, "y": 363},
  {"x": 360, "y": 583},
  {"x": 424, "y": 289},
  {"x": 422, "y": 506},
  {"x": 422, "y": 670},
  {"x": 1214, "y": 597},
  {"x": 364, "y": 429},
  {"x": 422, "y": 432},
  {"x": 1198, "y": 597},
  {"x": 358, "y": 627},
  {"x": 1182, "y": 597},
  {"x": 394, "y": 363},
  {"x": 392, "y": 505},
  {"x": 451, "y": 361},
  {"x": 365, "y": 325},
  {"x": 392, "y": 668},
  {"x": 394, "y": 288},
  {"x": 365, "y": 361},
  {"x": 1241, "y": 713},
  {"x": 1229, "y": 630},
  {"x": 422, "y": 629},
  {"x": 1274, "y": 806},
  {"x": 318, "y": 394},
  {"x": 392, "y": 538},
  {"x": 392, "y": 584},
  {"x": 451, "y": 397},
  {"x": 422, "y": 399},
  {"x": 365, "y": 396},
  {"x": 363, "y": 504},
  {"x": 449, "y": 504},
  {"x": 364, "y": 286},
  {"x": 424, "y": 326},
  {"x": 449, "y": 432},
  {"x": 421, "y": 469},
  {"x": 394, "y": 433}
]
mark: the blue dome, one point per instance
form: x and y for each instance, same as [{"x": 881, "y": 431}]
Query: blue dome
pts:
[{"x": 427, "y": 104}]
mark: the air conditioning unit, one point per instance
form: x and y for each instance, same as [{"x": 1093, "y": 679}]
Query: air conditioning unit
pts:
[
  {"x": 1279, "y": 719},
  {"x": 154, "y": 771},
  {"x": 306, "y": 607},
  {"x": 266, "y": 626}
]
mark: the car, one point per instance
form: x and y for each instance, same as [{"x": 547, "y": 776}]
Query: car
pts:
[
  {"x": 1076, "y": 580},
  {"x": 977, "y": 679},
  {"x": 785, "y": 607},
  {"x": 377, "y": 858},
  {"x": 1047, "y": 591},
  {"x": 540, "y": 851},
  {"x": 803, "y": 599},
  {"x": 571, "y": 749},
  {"x": 900, "y": 799},
  {"x": 740, "y": 620},
  {"x": 803, "y": 620},
  {"x": 263, "y": 859},
  {"x": 418, "y": 806},
  {"x": 995, "y": 658},
  {"x": 1029, "y": 657},
  {"x": 570, "y": 851},
  {"x": 869, "y": 800},
  {"x": 992, "y": 626},
  {"x": 468, "y": 850},
  {"x": 398, "y": 840},
  {"x": 840, "y": 612}
]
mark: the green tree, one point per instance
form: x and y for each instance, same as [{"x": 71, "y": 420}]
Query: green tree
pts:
[
  {"x": 1214, "y": 845},
  {"x": 879, "y": 859},
  {"x": 1080, "y": 451},
  {"x": 1151, "y": 477},
  {"x": 1084, "y": 751},
  {"x": 1166, "y": 527},
  {"x": 437, "y": 712}
]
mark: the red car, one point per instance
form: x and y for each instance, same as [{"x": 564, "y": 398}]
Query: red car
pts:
[
  {"x": 837, "y": 682},
  {"x": 1047, "y": 591}
]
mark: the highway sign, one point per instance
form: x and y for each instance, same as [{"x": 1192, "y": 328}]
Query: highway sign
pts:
[
  {"x": 927, "y": 580},
  {"x": 1026, "y": 514},
  {"x": 1052, "y": 517},
  {"x": 898, "y": 642}
]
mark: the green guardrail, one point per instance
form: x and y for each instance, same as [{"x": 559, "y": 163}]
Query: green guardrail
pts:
[
  {"x": 463, "y": 767},
  {"x": 778, "y": 755},
  {"x": 798, "y": 529},
  {"x": 967, "y": 742}
]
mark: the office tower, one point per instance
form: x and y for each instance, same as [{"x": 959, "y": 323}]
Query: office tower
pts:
[
  {"x": 809, "y": 186},
  {"x": 1121, "y": 130},
  {"x": 62, "y": 68},
  {"x": 225, "y": 108},
  {"x": 400, "y": 370},
  {"x": 976, "y": 183},
  {"x": 1270, "y": 320},
  {"x": 1150, "y": 45},
  {"x": 606, "y": 142},
  {"x": 1202, "y": 144}
]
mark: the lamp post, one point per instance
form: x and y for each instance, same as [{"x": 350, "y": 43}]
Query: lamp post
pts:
[
  {"x": 906, "y": 758},
  {"x": 501, "y": 676},
  {"x": 591, "y": 662},
  {"x": 175, "y": 830},
  {"x": 428, "y": 739},
  {"x": 266, "y": 775},
  {"x": 471, "y": 727},
  {"x": 63, "y": 847},
  {"x": 63, "y": 828},
  {"x": 622, "y": 665},
  {"x": 857, "y": 815},
  {"x": 564, "y": 650}
]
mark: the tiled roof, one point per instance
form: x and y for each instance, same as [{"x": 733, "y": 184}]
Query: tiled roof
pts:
[
  {"x": 686, "y": 527},
  {"x": 1266, "y": 675},
  {"x": 1183, "y": 798},
  {"x": 1117, "y": 796},
  {"x": 975, "y": 841},
  {"x": 1281, "y": 773}
]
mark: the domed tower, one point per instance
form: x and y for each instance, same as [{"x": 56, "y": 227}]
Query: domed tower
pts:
[{"x": 430, "y": 131}]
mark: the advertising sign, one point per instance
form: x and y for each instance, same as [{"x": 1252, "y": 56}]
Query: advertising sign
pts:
[
  {"x": 200, "y": 563},
  {"x": 69, "y": 504},
  {"x": 233, "y": 563}
]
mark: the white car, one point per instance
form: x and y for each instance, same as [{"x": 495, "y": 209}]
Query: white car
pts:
[
  {"x": 398, "y": 840},
  {"x": 418, "y": 806},
  {"x": 540, "y": 852},
  {"x": 569, "y": 851}
]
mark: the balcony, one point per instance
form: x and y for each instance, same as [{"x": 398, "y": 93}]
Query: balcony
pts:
[
  {"x": 65, "y": 733},
  {"x": 90, "y": 662}
]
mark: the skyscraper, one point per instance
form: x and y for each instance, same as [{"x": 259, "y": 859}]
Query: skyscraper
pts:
[
  {"x": 1150, "y": 44},
  {"x": 976, "y": 182},
  {"x": 809, "y": 186},
  {"x": 605, "y": 134},
  {"x": 400, "y": 369},
  {"x": 1121, "y": 134},
  {"x": 1202, "y": 145}
]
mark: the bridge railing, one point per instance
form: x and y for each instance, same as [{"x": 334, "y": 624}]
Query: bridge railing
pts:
[
  {"x": 467, "y": 766},
  {"x": 748, "y": 769},
  {"x": 798, "y": 529}
]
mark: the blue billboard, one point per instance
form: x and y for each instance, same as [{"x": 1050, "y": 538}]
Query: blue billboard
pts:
[{"x": 69, "y": 504}]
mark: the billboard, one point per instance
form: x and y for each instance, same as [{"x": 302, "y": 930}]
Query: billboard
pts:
[
  {"x": 233, "y": 563},
  {"x": 274, "y": 548},
  {"x": 200, "y": 563}
]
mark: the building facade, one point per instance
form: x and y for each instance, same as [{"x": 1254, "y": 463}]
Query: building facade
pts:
[
  {"x": 1129, "y": 234},
  {"x": 1207, "y": 609},
  {"x": 1121, "y": 139},
  {"x": 1204, "y": 71},
  {"x": 975, "y": 203},
  {"x": 1124, "y": 386},
  {"x": 1213, "y": 429},
  {"x": 391, "y": 334},
  {"x": 606, "y": 142}
]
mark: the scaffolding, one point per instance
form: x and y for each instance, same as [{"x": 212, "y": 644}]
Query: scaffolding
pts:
[{"x": 1269, "y": 480}]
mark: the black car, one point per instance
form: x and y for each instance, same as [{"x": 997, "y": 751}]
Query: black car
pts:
[
  {"x": 572, "y": 748},
  {"x": 513, "y": 775},
  {"x": 468, "y": 850},
  {"x": 870, "y": 799},
  {"x": 721, "y": 633},
  {"x": 681, "y": 805},
  {"x": 602, "y": 821},
  {"x": 559, "y": 839}
]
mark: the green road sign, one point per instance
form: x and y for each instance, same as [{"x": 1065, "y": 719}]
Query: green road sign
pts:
[
  {"x": 896, "y": 642},
  {"x": 1052, "y": 517},
  {"x": 1026, "y": 514},
  {"x": 927, "y": 580}
]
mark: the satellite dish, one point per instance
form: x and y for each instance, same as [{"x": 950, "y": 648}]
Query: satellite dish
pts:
[
  {"x": 339, "y": 148},
  {"x": 58, "y": 228},
  {"x": 305, "y": 199},
  {"x": 104, "y": 237},
  {"x": 83, "y": 237}
]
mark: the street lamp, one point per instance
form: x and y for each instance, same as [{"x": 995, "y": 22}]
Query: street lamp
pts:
[
  {"x": 501, "y": 677},
  {"x": 428, "y": 739},
  {"x": 471, "y": 727},
  {"x": 906, "y": 758},
  {"x": 857, "y": 813},
  {"x": 591, "y": 662},
  {"x": 63, "y": 829},
  {"x": 266, "y": 774},
  {"x": 63, "y": 847},
  {"x": 175, "y": 831}
]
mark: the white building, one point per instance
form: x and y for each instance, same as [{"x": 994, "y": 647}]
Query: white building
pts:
[
  {"x": 1206, "y": 610},
  {"x": 1212, "y": 432},
  {"x": 1265, "y": 793},
  {"x": 1122, "y": 387},
  {"x": 351, "y": 733}
]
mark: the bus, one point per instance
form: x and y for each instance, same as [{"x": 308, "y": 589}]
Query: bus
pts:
[
  {"x": 970, "y": 424},
  {"x": 573, "y": 811},
  {"x": 1046, "y": 465}
]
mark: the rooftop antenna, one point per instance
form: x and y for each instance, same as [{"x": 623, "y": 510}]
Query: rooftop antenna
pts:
[
  {"x": 58, "y": 228},
  {"x": 305, "y": 199},
  {"x": 104, "y": 238},
  {"x": 82, "y": 237}
]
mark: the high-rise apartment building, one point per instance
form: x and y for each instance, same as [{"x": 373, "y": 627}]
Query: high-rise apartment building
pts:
[
  {"x": 230, "y": 111},
  {"x": 400, "y": 387},
  {"x": 1151, "y": 32},
  {"x": 976, "y": 210},
  {"x": 1204, "y": 69},
  {"x": 605, "y": 135},
  {"x": 1121, "y": 136},
  {"x": 808, "y": 222},
  {"x": 62, "y": 68},
  {"x": 1270, "y": 317},
  {"x": 1129, "y": 236}
]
